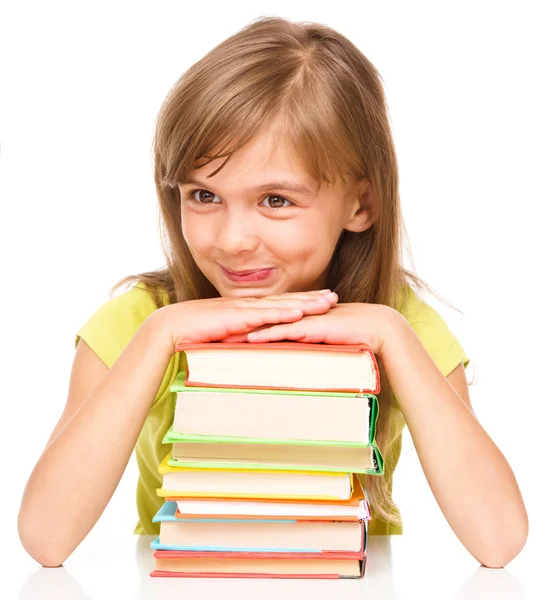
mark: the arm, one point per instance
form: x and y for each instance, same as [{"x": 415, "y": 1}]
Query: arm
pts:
[
  {"x": 86, "y": 456},
  {"x": 468, "y": 475},
  {"x": 106, "y": 408}
]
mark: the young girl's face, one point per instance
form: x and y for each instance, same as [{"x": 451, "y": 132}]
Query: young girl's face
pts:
[{"x": 240, "y": 220}]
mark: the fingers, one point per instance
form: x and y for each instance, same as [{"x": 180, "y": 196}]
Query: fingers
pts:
[
  {"x": 312, "y": 304},
  {"x": 279, "y": 332},
  {"x": 300, "y": 295},
  {"x": 242, "y": 337},
  {"x": 235, "y": 338},
  {"x": 266, "y": 316},
  {"x": 319, "y": 305}
]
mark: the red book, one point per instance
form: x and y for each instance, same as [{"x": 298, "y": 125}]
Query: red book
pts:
[
  {"x": 285, "y": 565},
  {"x": 281, "y": 366}
]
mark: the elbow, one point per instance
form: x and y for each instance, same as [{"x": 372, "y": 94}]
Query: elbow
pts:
[
  {"x": 499, "y": 554},
  {"x": 36, "y": 543}
]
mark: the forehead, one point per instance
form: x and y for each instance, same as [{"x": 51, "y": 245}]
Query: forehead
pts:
[{"x": 266, "y": 157}]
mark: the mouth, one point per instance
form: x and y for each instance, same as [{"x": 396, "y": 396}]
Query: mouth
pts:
[
  {"x": 247, "y": 272},
  {"x": 258, "y": 274}
]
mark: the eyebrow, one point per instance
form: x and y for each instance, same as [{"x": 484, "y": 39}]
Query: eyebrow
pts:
[{"x": 289, "y": 186}]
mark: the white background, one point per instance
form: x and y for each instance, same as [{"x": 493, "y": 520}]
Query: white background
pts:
[{"x": 80, "y": 87}]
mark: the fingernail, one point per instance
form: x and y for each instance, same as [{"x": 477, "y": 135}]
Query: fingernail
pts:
[
  {"x": 325, "y": 291},
  {"x": 331, "y": 295}
]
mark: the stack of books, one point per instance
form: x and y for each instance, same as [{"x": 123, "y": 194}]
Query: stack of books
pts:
[{"x": 266, "y": 443}]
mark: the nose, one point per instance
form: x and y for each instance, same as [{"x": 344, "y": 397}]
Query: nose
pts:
[{"x": 237, "y": 233}]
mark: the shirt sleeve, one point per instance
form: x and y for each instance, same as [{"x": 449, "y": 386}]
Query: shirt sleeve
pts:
[
  {"x": 111, "y": 327},
  {"x": 439, "y": 341}
]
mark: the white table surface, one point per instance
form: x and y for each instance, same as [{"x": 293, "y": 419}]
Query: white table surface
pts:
[{"x": 398, "y": 568}]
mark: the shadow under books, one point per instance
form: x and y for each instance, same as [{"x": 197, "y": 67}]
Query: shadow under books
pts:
[{"x": 378, "y": 581}]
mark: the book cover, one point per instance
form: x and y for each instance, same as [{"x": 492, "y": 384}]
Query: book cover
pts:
[
  {"x": 327, "y": 560},
  {"x": 172, "y": 437},
  {"x": 357, "y": 495},
  {"x": 221, "y": 509},
  {"x": 272, "y": 466},
  {"x": 262, "y": 412},
  {"x": 167, "y": 512},
  {"x": 373, "y": 388},
  {"x": 164, "y": 468}
]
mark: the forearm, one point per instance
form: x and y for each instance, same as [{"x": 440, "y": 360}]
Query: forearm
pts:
[
  {"x": 468, "y": 475},
  {"x": 79, "y": 470}
]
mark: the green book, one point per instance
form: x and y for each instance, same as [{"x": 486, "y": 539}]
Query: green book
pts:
[
  {"x": 222, "y": 452},
  {"x": 267, "y": 415}
]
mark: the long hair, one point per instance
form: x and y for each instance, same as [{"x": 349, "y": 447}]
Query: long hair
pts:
[{"x": 328, "y": 101}]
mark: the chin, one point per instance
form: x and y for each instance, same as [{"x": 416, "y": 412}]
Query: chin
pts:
[
  {"x": 235, "y": 291},
  {"x": 247, "y": 293}
]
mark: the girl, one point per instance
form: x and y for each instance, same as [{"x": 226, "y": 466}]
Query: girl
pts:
[{"x": 296, "y": 235}]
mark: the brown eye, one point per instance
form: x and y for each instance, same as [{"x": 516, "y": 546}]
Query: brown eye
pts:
[
  {"x": 276, "y": 202},
  {"x": 202, "y": 196}
]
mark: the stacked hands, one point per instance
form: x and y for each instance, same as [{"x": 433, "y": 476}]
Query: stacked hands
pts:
[{"x": 312, "y": 317}]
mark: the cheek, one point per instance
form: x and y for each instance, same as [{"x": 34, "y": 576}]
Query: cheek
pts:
[
  {"x": 197, "y": 237},
  {"x": 306, "y": 242}
]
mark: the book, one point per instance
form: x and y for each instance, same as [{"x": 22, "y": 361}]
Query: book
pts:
[
  {"x": 256, "y": 535},
  {"x": 260, "y": 509},
  {"x": 281, "y": 365},
  {"x": 358, "y": 495},
  {"x": 187, "y": 481},
  {"x": 213, "y": 453},
  {"x": 269, "y": 414},
  {"x": 312, "y": 565},
  {"x": 260, "y": 479}
]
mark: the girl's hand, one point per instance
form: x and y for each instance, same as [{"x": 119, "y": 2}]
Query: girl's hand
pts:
[
  {"x": 217, "y": 318},
  {"x": 350, "y": 323}
]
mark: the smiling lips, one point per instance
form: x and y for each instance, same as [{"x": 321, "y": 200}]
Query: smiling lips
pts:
[
  {"x": 249, "y": 275},
  {"x": 247, "y": 271}
]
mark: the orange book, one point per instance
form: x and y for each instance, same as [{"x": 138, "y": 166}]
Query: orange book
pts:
[{"x": 354, "y": 509}]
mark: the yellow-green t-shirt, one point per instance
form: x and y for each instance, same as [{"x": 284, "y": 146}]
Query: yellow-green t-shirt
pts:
[{"x": 111, "y": 327}]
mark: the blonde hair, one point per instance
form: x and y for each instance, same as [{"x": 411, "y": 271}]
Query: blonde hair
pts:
[{"x": 328, "y": 102}]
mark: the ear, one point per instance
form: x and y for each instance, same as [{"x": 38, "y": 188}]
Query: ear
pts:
[{"x": 363, "y": 207}]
